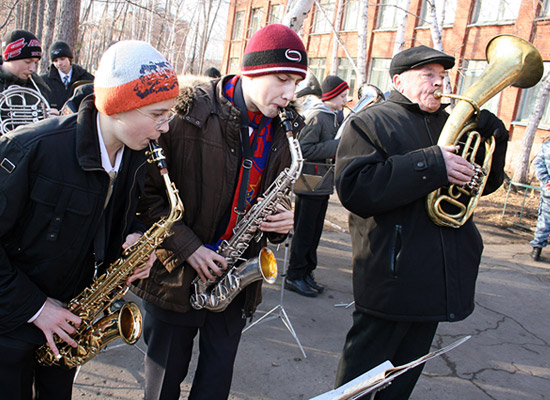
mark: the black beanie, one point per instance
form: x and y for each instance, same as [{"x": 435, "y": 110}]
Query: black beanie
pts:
[
  {"x": 20, "y": 44},
  {"x": 332, "y": 86},
  {"x": 60, "y": 49}
]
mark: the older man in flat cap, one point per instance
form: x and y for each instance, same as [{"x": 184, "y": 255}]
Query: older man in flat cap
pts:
[{"x": 409, "y": 274}]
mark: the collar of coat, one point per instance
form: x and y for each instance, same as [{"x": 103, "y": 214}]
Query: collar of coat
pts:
[{"x": 399, "y": 98}]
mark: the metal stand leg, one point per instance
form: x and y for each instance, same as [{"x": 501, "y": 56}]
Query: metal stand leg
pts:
[{"x": 280, "y": 307}]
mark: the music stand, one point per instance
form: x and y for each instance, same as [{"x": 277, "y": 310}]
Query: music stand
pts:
[{"x": 280, "y": 307}]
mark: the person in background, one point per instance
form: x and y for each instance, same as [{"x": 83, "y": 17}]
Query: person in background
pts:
[
  {"x": 409, "y": 273},
  {"x": 542, "y": 231},
  {"x": 319, "y": 145},
  {"x": 226, "y": 129},
  {"x": 69, "y": 189},
  {"x": 63, "y": 74},
  {"x": 21, "y": 52}
]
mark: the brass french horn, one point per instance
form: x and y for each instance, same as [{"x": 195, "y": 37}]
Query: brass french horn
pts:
[{"x": 511, "y": 61}]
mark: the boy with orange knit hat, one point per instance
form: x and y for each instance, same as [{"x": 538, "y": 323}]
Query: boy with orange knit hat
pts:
[{"x": 69, "y": 188}]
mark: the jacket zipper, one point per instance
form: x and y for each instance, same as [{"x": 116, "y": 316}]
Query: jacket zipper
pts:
[{"x": 396, "y": 248}]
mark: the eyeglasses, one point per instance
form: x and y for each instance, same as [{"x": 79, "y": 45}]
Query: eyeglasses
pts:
[{"x": 161, "y": 121}]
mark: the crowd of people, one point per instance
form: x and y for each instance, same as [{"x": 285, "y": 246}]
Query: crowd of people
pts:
[{"x": 75, "y": 191}]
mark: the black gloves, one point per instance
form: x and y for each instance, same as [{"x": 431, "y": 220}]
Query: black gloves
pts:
[{"x": 489, "y": 124}]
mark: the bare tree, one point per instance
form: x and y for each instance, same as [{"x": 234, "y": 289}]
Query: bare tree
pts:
[
  {"x": 400, "y": 34},
  {"x": 362, "y": 43},
  {"x": 436, "y": 28},
  {"x": 296, "y": 13},
  {"x": 68, "y": 20},
  {"x": 522, "y": 158},
  {"x": 48, "y": 29},
  {"x": 334, "y": 63}
]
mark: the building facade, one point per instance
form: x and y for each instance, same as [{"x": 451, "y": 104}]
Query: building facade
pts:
[{"x": 468, "y": 26}]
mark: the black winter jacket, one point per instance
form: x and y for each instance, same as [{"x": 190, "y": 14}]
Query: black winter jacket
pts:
[
  {"x": 203, "y": 154},
  {"x": 7, "y": 80},
  {"x": 52, "y": 194},
  {"x": 59, "y": 95},
  {"x": 405, "y": 267}
]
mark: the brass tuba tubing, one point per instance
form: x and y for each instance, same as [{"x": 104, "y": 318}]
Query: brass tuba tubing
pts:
[{"x": 511, "y": 61}]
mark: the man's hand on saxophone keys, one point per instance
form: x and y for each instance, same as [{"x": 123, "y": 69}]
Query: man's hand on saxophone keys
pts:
[
  {"x": 55, "y": 318},
  {"x": 143, "y": 271},
  {"x": 207, "y": 262},
  {"x": 282, "y": 221}
]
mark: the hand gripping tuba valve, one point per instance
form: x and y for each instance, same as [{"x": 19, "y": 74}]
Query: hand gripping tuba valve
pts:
[
  {"x": 511, "y": 61},
  {"x": 95, "y": 331},
  {"x": 216, "y": 296}
]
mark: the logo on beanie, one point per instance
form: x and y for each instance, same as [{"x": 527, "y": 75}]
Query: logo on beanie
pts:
[
  {"x": 155, "y": 78},
  {"x": 14, "y": 49},
  {"x": 293, "y": 55}
]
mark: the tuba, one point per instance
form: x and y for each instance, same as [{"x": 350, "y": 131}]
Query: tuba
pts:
[
  {"x": 216, "y": 296},
  {"x": 511, "y": 61},
  {"x": 20, "y": 106},
  {"x": 95, "y": 332}
]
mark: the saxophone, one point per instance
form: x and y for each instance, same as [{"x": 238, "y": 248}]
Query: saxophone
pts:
[
  {"x": 94, "y": 333},
  {"x": 216, "y": 296}
]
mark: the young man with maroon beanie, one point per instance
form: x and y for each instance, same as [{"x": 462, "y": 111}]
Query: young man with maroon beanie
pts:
[
  {"x": 69, "y": 189},
  {"x": 318, "y": 144},
  {"x": 206, "y": 152}
]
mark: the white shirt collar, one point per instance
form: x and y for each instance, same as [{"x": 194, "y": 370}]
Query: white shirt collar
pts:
[
  {"x": 105, "y": 162},
  {"x": 62, "y": 75}
]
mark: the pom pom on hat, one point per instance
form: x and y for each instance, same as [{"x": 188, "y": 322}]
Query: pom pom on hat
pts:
[
  {"x": 274, "y": 49},
  {"x": 418, "y": 56},
  {"x": 60, "y": 49},
  {"x": 20, "y": 44},
  {"x": 332, "y": 86},
  {"x": 132, "y": 74}
]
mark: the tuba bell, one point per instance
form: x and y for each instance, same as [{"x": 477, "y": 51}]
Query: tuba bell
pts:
[
  {"x": 511, "y": 61},
  {"x": 21, "y": 105}
]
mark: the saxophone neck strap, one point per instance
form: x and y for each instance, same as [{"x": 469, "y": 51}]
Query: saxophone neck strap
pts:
[{"x": 247, "y": 147}]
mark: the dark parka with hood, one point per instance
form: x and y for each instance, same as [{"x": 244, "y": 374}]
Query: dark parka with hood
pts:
[
  {"x": 203, "y": 154},
  {"x": 52, "y": 195},
  {"x": 405, "y": 267}
]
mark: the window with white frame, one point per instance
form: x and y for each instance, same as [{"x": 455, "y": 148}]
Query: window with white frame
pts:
[
  {"x": 473, "y": 69},
  {"x": 545, "y": 9},
  {"x": 255, "y": 21},
  {"x": 346, "y": 72},
  {"x": 234, "y": 66},
  {"x": 238, "y": 26},
  {"x": 276, "y": 14},
  {"x": 496, "y": 11},
  {"x": 445, "y": 9},
  {"x": 391, "y": 13},
  {"x": 317, "y": 67},
  {"x": 323, "y": 19},
  {"x": 351, "y": 15},
  {"x": 528, "y": 100},
  {"x": 379, "y": 74}
]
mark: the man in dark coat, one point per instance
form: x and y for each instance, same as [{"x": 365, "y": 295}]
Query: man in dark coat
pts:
[
  {"x": 69, "y": 189},
  {"x": 318, "y": 144},
  {"x": 408, "y": 273},
  {"x": 206, "y": 148},
  {"x": 63, "y": 74}
]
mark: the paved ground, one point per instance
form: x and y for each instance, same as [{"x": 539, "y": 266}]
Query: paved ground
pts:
[{"x": 508, "y": 356}]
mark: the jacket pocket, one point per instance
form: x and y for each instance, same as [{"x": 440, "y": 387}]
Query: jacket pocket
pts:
[
  {"x": 395, "y": 250},
  {"x": 57, "y": 209}
]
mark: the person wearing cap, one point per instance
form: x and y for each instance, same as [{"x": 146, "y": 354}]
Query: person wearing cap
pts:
[
  {"x": 21, "y": 52},
  {"x": 409, "y": 274},
  {"x": 318, "y": 144},
  {"x": 69, "y": 190},
  {"x": 63, "y": 74},
  {"x": 221, "y": 124}
]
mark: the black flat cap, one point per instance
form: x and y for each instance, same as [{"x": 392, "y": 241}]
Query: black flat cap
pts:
[{"x": 418, "y": 56}]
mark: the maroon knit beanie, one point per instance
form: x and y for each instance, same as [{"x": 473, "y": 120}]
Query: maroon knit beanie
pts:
[
  {"x": 332, "y": 86},
  {"x": 274, "y": 49},
  {"x": 20, "y": 44}
]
